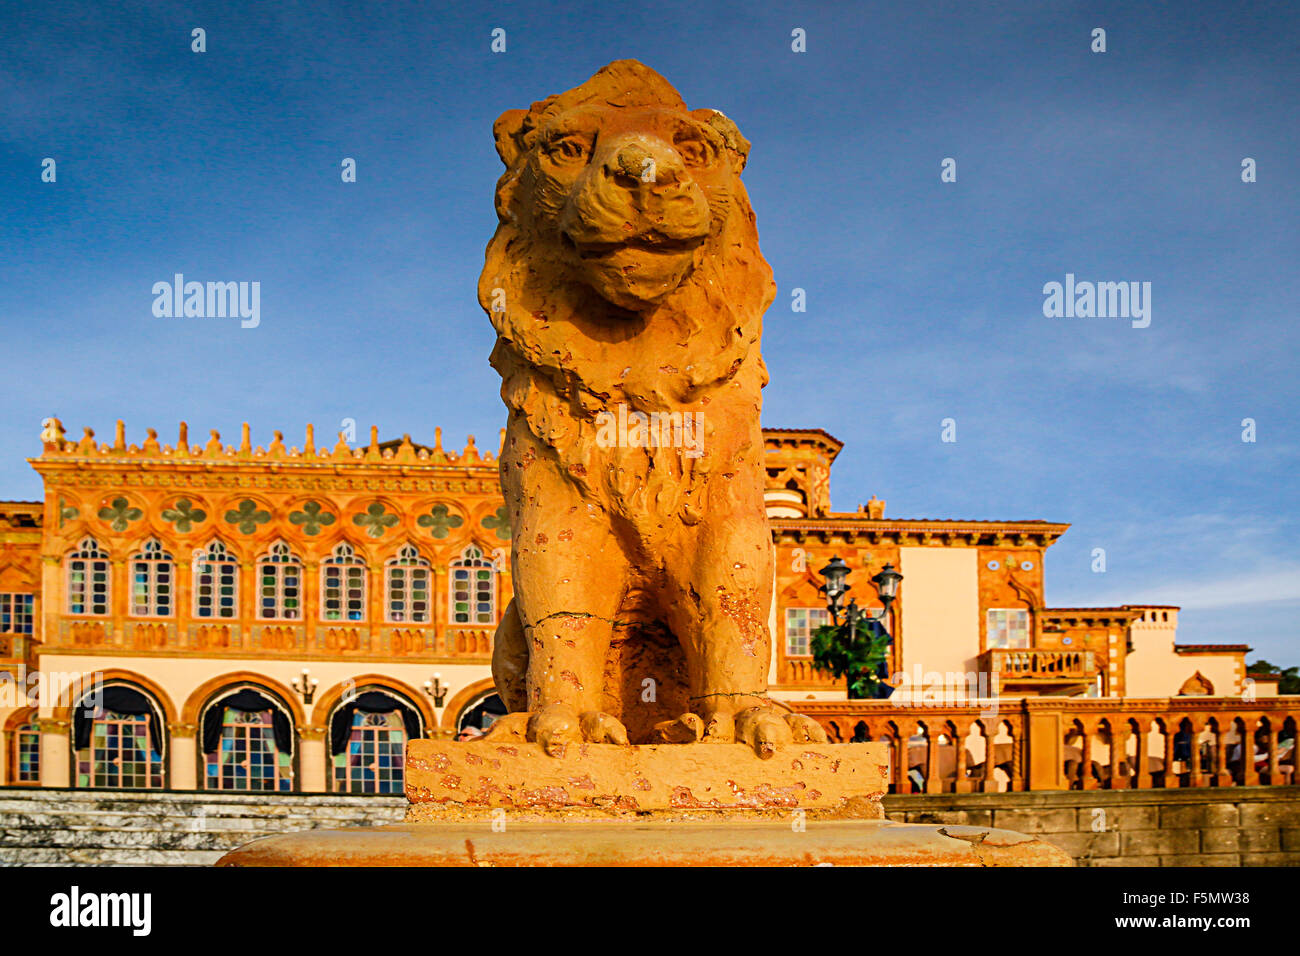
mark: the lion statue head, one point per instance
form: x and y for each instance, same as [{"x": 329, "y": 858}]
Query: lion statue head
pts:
[{"x": 624, "y": 231}]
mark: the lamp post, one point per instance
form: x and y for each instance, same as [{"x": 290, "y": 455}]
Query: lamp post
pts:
[{"x": 837, "y": 587}]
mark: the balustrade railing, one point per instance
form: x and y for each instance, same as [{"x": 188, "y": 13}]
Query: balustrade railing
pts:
[
  {"x": 1036, "y": 663},
  {"x": 1051, "y": 743}
]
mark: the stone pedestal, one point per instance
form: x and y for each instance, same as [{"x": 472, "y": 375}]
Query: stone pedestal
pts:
[{"x": 484, "y": 803}]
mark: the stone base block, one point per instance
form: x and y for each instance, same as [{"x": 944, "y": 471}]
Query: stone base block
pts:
[
  {"x": 725, "y": 842},
  {"x": 845, "y": 779}
]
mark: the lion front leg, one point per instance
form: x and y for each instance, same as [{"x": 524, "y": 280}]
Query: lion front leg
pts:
[
  {"x": 720, "y": 616},
  {"x": 571, "y": 578}
]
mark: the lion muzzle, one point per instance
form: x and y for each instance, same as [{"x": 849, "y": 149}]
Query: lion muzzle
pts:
[{"x": 634, "y": 220}]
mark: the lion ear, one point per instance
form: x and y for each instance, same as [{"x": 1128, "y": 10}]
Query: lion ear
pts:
[
  {"x": 737, "y": 145},
  {"x": 509, "y": 132}
]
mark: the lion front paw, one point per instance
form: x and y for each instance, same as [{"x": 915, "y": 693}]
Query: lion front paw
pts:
[
  {"x": 765, "y": 729},
  {"x": 558, "y": 725}
]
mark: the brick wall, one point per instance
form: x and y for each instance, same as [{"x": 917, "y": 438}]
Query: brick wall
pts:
[{"x": 1229, "y": 826}]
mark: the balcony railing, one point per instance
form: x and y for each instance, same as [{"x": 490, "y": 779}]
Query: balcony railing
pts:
[
  {"x": 1036, "y": 664},
  {"x": 1055, "y": 743}
]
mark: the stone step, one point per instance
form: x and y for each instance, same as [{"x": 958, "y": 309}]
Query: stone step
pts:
[
  {"x": 100, "y": 856},
  {"x": 157, "y": 800},
  {"x": 196, "y": 822},
  {"x": 41, "y": 827},
  {"x": 124, "y": 838}
]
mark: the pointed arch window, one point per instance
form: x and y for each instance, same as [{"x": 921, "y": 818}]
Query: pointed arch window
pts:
[
  {"x": 343, "y": 585},
  {"x": 216, "y": 583},
  {"x": 473, "y": 588},
  {"x": 88, "y": 579},
  {"x": 153, "y": 577},
  {"x": 407, "y": 587},
  {"x": 279, "y": 582}
]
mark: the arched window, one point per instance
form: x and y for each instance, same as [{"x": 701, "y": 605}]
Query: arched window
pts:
[
  {"x": 247, "y": 742},
  {"x": 368, "y": 735},
  {"x": 216, "y": 583},
  {"x": 279, "y": 576},
  {"x": 343, "y": 585},
  {"x": 473, "y": 589},
  {"x": 27, "y": 753},
  {"x": 478, "y": 715},
  {"x": 152, "y": 577},
  {"x": 119, "y": 739},
  {"x": 408, "y": 587},
  {"x": 88, "y": 579}
]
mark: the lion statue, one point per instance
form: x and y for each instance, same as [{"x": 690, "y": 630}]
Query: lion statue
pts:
[{"x": 627, "y": 290}]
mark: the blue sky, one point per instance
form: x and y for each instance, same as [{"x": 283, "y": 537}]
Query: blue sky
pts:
[{"x": 924, "y": 298}]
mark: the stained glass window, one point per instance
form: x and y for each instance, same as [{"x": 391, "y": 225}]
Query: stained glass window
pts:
[
  {"x": 27, "y": 746},
  {"x": 800, "y": 624},
  {"x": 343, "y": 586},
  {"x": 16, "y": 613},
  {"x": 247, "y": 757},
  {"x": 408, "y": 587},
  {"x": 1008, "y": 627},
  {"x": 279, "y": 575},
  {"x": 372, "y": 762},
  {"x": 216, "y": 583},
  {"x": 88, "y": 579},
  {"x": 121, "y": 754},
  {"x": 473, "y": 589},
  {"x": 152, "y": 578}
]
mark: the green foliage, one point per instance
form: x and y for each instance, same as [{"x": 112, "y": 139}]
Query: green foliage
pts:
[
  {"x": 1290, "y": 682},
  {"x": 853, "y": 658}
]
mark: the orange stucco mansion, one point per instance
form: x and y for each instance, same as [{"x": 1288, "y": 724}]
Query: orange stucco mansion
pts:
[{"x": 224, "y": 616}]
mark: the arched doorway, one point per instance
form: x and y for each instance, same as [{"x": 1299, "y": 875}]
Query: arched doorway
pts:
[
  {"x": 247, "y": 740},
  {"x": 119, "y": 739},
  {"x": 368, "y": 731},
  {"x": 478, "y": 715}
]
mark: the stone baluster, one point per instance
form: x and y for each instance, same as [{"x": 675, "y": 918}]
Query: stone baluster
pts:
[
  {"x": 960, "y": 783},
  {"x": 989, "y": 784},
  {"x": 1017, "y": 758},
  {"x": 1118, "y": 750},
  {"x": 1249, "y": 775},
  {"x": 1090, "y": 781},
  {"x": 1170, "y": 732},
  {"x": 1221, "y": 776},
  {"x": 933, "y": 775},
  {"x": 1141, "y": 766},
  {"x": 1196, "y": 776},
  {"x": 1273, "y": 769}
]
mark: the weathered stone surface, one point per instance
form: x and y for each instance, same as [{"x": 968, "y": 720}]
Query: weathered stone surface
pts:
[
  {"x": 625, "y": 284},
  {"x": 1159, "y": 842},
  {"x": 1272, "y": 814},
  {"x": 1202, "y": 815},
  {"x": 834, "y": 842},
  {"x": 1038, "y": 821},
  {"x": 54, "y": 827},
  {"x": 610, "y": 777},
  {"x": 1119, "y": 817},
  {"x": 1200, "y": 859}
]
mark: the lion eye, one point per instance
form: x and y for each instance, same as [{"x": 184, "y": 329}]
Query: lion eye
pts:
[
  {"x": 695, "y": 152},
  {"x": 569, "y": 149}
]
